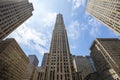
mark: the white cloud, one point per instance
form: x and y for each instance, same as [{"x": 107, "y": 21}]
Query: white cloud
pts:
[
  {"x": 72, "y": 47},
  {"x": 49, "y": 19},
  {"x": 35, "y": 34},
  {"x": 84, "y": 27},
  {"x": 94, "y": 27},
  {"x": 73, "y": 30},
  {"x": 77, "y": 3},
  {"x": 30, "y": 38}
]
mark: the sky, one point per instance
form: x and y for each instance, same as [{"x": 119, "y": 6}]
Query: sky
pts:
[{"x": 34, "y": 35}]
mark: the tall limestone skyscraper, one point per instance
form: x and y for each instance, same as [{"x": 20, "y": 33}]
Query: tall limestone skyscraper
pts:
[
  {"x": 106, "y": 11},
  {"x": 12, "y": 14},
  {"x": 59, "y": 62}
]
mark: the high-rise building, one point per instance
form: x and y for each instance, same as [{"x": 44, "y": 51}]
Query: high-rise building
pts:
[
  {"x": 105, "y": 53},
  {"x": 44, "y": 60},
  {"x": 31, "y": 73},
  {"x": 33, "y": 60},
  {"x": 59, "y": 62},
  {"x": 82, "y": 66},
  {"x": 12, "y": 14},
  {"x": 41, "y": 71},
  {"x": 13, "y": 61},
  {"x": 107, "y": 12}
]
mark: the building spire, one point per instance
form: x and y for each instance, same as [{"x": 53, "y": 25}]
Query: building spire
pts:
[{"x": 59, "y": 21}]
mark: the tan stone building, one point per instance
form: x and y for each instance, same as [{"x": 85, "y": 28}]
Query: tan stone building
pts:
[
  {"x": 41, "y": 72},
  {"x": 82, "y": 66},
  {"x": 59, "y": 62},
  {"x": 12, "y": 14},
  {"x": 107, "y": 12},
  {"x": 13, "y": 60},
  {"x": 106, "y": 57}
]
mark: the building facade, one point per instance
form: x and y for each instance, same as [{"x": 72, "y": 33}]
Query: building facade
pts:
[
  {"x": 107, "y": 12},
  {"x": 31, "y": 73},
  {"x": 59, "y": 62},
  {"x": 33, "y": 60},
  {"x": 13, "y": 61},
  {"x": 41, "y": 71},
  {"x": 82, "y": 66},
  {"x": 44, "y": 60},
  {"x": 12, "y": 14},
  {"x": 106, "y": 56}
]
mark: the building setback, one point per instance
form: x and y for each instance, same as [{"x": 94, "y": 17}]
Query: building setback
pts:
[
  {"x": 13, "y": 60},
  {"x": 83, "y": 66},
  {"x": 12, "y": 14},
  {"x": 59, "y": 62},
  {"x": 107, "y": 12},
  {"x": 105, "y": 53}
]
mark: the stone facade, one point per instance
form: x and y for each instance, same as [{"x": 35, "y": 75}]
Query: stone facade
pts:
[
  {"x": 82, "y": 66},
  {"x": 12, "y": 14},
  {"x": 106, "y": 56},
  {"x": 107, "y": 12},
  {"x": 59, "y": 63},
  {"x": 13, "y": 61}
]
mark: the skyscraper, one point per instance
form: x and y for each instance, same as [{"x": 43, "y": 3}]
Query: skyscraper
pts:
[
  {"x": 12, "y": 14},
  {"x": 107, "y": 12},
  {"x": 33, "y": 60},
  {"x": 106, "y": 56},
  {"x": 13, "y": 61},
  {"x": 31, "y": 73},
  {"x": 44, "y": 60},
  {"x": 83, "y": 66},
  {"x": 59, "y": 62}
]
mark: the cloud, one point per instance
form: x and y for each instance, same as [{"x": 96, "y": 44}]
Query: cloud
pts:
[
  {"x": 72, "y": 46},
  {"x": 30, "y": 38},
  {"x": 35, "y": 34},
  {"x": 49, "y": 19},
  {"x": 94, "y": 27},
  {"x": 74, "y": 30},
  {"x": 77, "y": 3},
  {"x": 83, "y": 26}
]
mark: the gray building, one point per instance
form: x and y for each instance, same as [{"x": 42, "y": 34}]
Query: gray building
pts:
[
  {"x": 83, "y": 66},
  {"x": 44, "y": 60},
  {"x": 12, "y": 14},
  {"x": 107, "y": 12},
  {"x": 105, "y": 53},
  {"x": 33, "y": 60},
  {"x": 31, "y": 73}
]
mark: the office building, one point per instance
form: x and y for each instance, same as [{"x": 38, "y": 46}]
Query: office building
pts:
[
  {"x": 82, "y": 66},
  {"x": 92, "y": 76},
  {"x": 31, "y": 73},
  {"x": 33, "y": 60},
  {"x": 59, "y": 62},
  {"x": 13, "y": 61},
  {"x": 12, "y": 14},
  {"x": 44, "y": 60},
  {"x": 105, "y": 53},
  {"x": 107, "y": 12},
  {"x": 41, "y": 72}
]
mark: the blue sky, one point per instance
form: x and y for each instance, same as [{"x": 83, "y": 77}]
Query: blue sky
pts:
[{"x": 34, "y": 36}]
